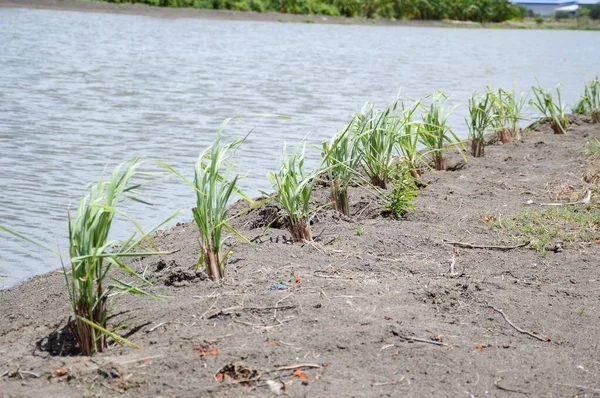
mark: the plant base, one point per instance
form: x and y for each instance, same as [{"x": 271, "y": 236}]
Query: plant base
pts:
[
  {"x": 595, "y": 116},
  {"x": 440, "y": 163},
  {"x": 378, "y": 182},
  {"x": 300, "y": 231},
  {"x": 211, "y": 260},
  {"x": 504, "y": 136},
  {"x": 557, "y": 128},
  {"x": 339, "y": 200},
  {"x": 89, "y": 339},
  {"x": 516, "y": 133},
  {"x": 477, "y": 148}
]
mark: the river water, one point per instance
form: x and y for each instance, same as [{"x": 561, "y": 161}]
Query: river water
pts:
[{"x": 81, "y": 92}]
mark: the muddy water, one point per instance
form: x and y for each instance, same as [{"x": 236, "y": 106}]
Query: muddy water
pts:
[{"x": 81, "y": 92}]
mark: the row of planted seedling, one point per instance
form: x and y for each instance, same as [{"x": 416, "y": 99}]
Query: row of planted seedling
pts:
[{"x": 379, "y": 149}]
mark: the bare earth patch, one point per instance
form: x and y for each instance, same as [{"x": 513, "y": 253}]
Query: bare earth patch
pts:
[{"x": 374, "y": 307}]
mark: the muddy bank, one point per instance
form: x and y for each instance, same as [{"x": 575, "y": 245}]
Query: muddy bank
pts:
[{"x": 375, "y": 307}]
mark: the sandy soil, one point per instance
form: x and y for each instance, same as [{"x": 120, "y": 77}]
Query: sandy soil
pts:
[
  {"x": 377, "y": 314},
  {"x": 164, "y": 12}
]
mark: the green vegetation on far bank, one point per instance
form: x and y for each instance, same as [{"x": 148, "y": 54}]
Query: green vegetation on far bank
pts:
[{"x": 460, "y": 10}]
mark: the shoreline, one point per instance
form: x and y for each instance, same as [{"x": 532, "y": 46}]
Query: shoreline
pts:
[
  {"x": 370, "y": 306},
  {"x": 228, "y": 15}
]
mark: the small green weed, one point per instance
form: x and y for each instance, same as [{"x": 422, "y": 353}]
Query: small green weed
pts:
[
  {"x": 404, "y": 190},
  {"x": 573, "y": 223},
  {"x": 360, "y": 230}
]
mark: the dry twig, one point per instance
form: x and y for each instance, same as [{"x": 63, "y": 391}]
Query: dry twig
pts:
[
  {"x": 518, "y": 329},
  {"x": 490, "y": 247}
]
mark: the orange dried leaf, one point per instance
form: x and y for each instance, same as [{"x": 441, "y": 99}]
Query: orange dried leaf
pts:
[
  {"x": 298, "y": 280},
  {"x": 213, "y": 351},
  {"x": 300, "y": 374},
  {"x": 547, "y": 337},
  {"x": 219, "y": 376},
  {"x": 59, "y": 372},
  {"x": 479, "y": 347},
  {"x": 275, "y": 343},
  {"x": 200, "y": 350},
  {"x": 387, "y": 318},
  {"x": 324, "y": 365}
]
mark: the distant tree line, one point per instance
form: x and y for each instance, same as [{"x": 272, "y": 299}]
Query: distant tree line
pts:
[{"x": 463, "y": 10}]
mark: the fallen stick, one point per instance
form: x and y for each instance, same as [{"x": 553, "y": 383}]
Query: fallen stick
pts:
[
  {"x": 498, "y": 386},
  {"x": 471, "y": 246},
  {"x": 410, "y": 338},
  {"x": 518, "y": 329},
  {"x": 578, "y": 386},
  {"x": 292, "y": 367}
]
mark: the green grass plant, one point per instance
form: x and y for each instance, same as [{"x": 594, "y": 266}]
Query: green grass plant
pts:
[
  {"x": 215, "y": 186},
  {"x": 545, "y": 227},
  {"x": 89, "y": 281},
  {"x": 376, "y": 134},
  {"x": 407, "y": 139},
  {"x": 511, "y": 112},
  {"x": 293, "y": 191},
  {"x": 550, "y": 109},
  {"x": 93, "y": 255},
  {"x": 341, "y": 158},
  {"x": 481, "y": 118},
  {"x": 435, "y": 132},
  {"x": 591, "y": 99}
]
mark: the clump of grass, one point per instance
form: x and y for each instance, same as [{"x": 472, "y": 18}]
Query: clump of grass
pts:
[
  {"x": 93, "y": 255},
  {"x": 408, "y": 140},
  {"x": 481, "y": 118},
  {"x": 215, "y": 186},
  {"x": 509, "y": 112},
  {"x": 435, "y": 132},
  {"x": 376, "y": 133},
  {"x": 341, "y": 159},
  {"x": 554, "y": 111},
  {"x": 591, "y": 99},
  {"x": 592, "y": 148},
  {"x": 543, "y": 228},
  {"x": 293, "y": 190}
]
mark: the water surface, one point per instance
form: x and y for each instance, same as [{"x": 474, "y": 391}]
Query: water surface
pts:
[{"x": 80, "y": 92}]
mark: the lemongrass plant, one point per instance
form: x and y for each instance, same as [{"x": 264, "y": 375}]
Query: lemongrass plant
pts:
[
  {"x": 435, "y": 133},
  {"x": 93, "y": 255},
  {"x": 554, "y": 111},
  {"x": 341, "y": 159},
  {"x": 592, "y": 99},
  {"x": 377, "y": 137},
  {"x": 215, "y": 187},
  {"x": 293, "y": 191},
  {"x": 408, "y": 140},
  {"x": 481, "y": 118},
  {"x": 512, "y": 112}
]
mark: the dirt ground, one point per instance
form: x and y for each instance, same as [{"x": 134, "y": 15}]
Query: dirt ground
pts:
[{"x": 375, "y": 307}]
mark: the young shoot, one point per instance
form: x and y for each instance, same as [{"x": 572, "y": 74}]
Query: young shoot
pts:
[
  {"x": 293, "y": 190},
  {"x": 591, "y": 99},
  {"x": 341, "y": 159},
  {"x": 215, "y": 185},
  {"x": 408, "y": 140},
  {"x": 481, "y": 118},
  {"x": 554, "y": 111},
  {"x": 93, "y": 255},
  {"x": 376, "y": 133},
  {"x": 435, "y": 133}
]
